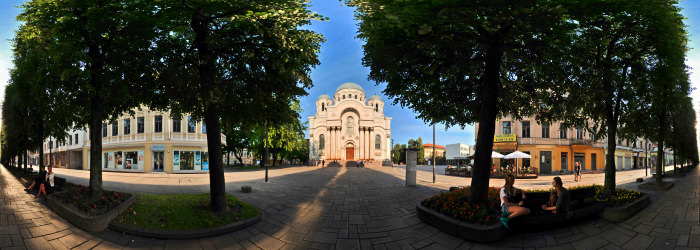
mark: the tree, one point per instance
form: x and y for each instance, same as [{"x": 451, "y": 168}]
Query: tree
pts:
[
  {"x": 98, "y": 49},
  {"x": 237, "y": 140},
  {"x": 220, "y": 56},
  {"x": 421, "y": 150},
  {"x": 396, "y": 153},
  {"x": 457, "y": 62}
]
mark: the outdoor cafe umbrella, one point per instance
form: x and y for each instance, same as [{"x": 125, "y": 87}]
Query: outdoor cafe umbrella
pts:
[
  {"x": 517, "y": 155},
  {"x": 496, "y": 155}
]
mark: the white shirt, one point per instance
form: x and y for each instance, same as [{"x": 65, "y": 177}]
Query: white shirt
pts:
[
  {"x": 49, "y": 178},
  {"x": 504, "y": 193}
]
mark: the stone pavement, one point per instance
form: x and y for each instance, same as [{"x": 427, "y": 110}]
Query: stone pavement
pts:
[{"x": 350, "y": 208}]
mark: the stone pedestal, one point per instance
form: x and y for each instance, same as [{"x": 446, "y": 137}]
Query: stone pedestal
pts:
[{"x": 411, "y": 159}]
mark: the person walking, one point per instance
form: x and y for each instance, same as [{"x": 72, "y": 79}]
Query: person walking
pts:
[
  {"x": 577, "y": 169},
  {"x": 323, "y": 163}
]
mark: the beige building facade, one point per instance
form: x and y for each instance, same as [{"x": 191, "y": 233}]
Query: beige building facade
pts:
[
  {"x": 350, "y": 127},
  {"x": 148, "y": 141}
]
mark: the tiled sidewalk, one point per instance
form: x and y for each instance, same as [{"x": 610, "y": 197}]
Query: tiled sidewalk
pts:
[{"x": 346, "y": 208}]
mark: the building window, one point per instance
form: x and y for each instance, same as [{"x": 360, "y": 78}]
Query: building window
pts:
[
  {"x": 176, "y": 125},
  {"x": 377, "y": 142},
  {"x": 376, "y": 107},
  {"x": 579, "y": 133},
  {"x": 562, "y": 132},
  {"x": 127, "y": 126},
  {"x": 343, "y": 97},
  {"x": 351, "y": 126},
  {"x": 139, "y": 125},
  {"x": 115, "y": 128},
  {"x": 545, "y": 130},
  {"x": 204, "y": 127},
  {"x": 191, "y": 125},
  {"x": 70, "y": 140},
  {"x": 158, "y": 124},
  {"x": 76, "y": 138},
  {"x": 323, "y": 107},
  {"x": 321, "y": 142},
  {"x": 526, "y": 129},
  {"x": 506, "y": 128},
  {"x": 526, "y": 161},
  {"x": 104, "y": 129}
]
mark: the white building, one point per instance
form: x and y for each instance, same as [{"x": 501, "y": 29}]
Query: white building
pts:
[
  {"x": 350, "y": 127},
  {"x": 458, "y": 150}
]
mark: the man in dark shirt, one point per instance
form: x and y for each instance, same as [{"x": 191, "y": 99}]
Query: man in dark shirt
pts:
[{"x": 563, "y": 198}]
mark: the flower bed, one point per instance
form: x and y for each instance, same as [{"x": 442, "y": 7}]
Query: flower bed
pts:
[
  {"x": 620, "y": 198},
  {"x": 78, "y": 196},
  {"x": 455, "y": 204}
]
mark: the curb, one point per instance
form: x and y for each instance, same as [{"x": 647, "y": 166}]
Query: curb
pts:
[{"x": 622, "y": 213}]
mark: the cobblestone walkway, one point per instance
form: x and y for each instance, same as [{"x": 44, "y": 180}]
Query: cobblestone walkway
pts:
[{"x": 347, "y": 208}]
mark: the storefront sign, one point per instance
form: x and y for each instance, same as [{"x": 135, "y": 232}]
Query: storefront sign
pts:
[
  {"x": 158, "y": 147},
  {"x": 504, "y": 138}
]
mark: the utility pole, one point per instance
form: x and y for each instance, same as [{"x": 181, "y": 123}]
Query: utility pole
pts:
[{"x": 434, "y": 152}]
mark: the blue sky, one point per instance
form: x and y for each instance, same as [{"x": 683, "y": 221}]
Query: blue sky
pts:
[{"x": 341, "y": 61}]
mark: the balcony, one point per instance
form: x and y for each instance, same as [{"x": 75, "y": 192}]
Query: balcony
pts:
[{"x": 582, "y": 142}]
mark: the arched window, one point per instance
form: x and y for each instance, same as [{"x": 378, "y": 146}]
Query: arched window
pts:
[
  {"x": 377, "y": 142},
  {"x": 321, "y": 142},
  {"x": 355, "y": 96},
  {"x": 350, "y": 124},
  {"x": 323, "y": 107},
  {"x": 343, "y": 97},
  {"x": 376, "y": 108}
]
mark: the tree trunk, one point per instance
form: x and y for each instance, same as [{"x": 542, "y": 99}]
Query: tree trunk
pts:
[
  {"x": 487, "y": 123},
  {"x": 26, "y": 159},
  {"x": 274, "y": 159},
  {"x": 200, "y": 26},
  {"x": 96, "y": 111},
  {"x": 265, "y": 153},
  {"x": 228, "y": 158},
  {"x": 660, "y": 148},
  {"x": 41, "y": 147},
  {"x": 239, "y": 157},
  {"x": 609, "y": 183}
]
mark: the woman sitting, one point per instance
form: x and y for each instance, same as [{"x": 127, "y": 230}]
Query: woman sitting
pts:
[
  {"x": 511, "y": 210},
  {"x": 562, "y": 204}
]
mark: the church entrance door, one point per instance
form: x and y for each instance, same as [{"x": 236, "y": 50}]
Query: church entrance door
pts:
[{"x": 349, "y": 153}]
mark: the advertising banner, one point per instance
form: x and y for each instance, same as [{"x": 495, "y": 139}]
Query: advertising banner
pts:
[
  {"x": 198, "y": 160},
  {"x": 176, "y": 158},
  {"x": 140, "y": 165},
  {"x": 111, "y": 159}
]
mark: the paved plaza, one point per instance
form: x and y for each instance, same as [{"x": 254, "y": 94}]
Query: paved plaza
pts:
[{"x": 349, "y": 208}]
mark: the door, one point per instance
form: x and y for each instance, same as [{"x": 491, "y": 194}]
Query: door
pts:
[
  {"x": 564, "y": 161},
  {"x": 619, "y": 163},
  {"x": 158, "y": 161},
  {"x": 593, "y": 162},
  {"x": 349, "y": 153},
  {"x": 546, "y": 162}
]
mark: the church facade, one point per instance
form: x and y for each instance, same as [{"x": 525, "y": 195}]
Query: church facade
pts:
[{"x": 350, "y": 127}]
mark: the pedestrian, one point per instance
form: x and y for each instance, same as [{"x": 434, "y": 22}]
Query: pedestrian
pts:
[
  {"x": 580, "y": 169},
  {"x": 577, "y": 169},
  {"x": 323, "y": 163}
]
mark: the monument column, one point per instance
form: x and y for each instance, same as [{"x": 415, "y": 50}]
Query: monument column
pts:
[
  {"x": 359, "y": 145},
  {"x": 371, "y": 145},
  {"x": 337, "y": 144},
  {"x": 367, "y": 151},
  {"x": 330, "y": 149}
]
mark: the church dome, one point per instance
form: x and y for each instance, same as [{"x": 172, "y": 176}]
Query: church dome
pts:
[
  {"x": 324, "y": 96},
  {"x": 375, "y": 97},
  {"x": 350, "y": 85}
]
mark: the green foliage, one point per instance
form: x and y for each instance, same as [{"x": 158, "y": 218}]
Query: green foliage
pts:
[
  {"x": 182, "y": 212},
  {"x": 455, "y": 204}
]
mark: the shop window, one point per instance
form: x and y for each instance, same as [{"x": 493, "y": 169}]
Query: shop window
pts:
[
  {"x": 104, "y": 129},
  {"x": 545, "y": 130},
  {"x": 131, "y": 160},
  {"x": 526, "y": 129},
  {"x": 191, "y": 125},
  {"x": 107, "y": 160},
  {"x": 205, "y": 160},
  {"x": 377, "y": 142},
  {"x": 176, "y": 160},
  {"x": 176, "y": 125},
  {"x": 158, "y": 124},
  {"x": 321, "y": 142},
  {"x": 506, "y": 128},
  {"x": 186, "y": 160},
  {"x": 526, "y": 161},
  {"x": 118, "y": 162},
  {"x": 140, "y": 125},
  {"x": 115, "y": 129}
]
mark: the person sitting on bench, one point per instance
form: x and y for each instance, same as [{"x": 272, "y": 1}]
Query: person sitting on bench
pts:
[
  {"x": 511, "y": 210},
  {"x": 38, "y": 180},
  {"x": 47, "y": 186},
  {"x": 563, "y": 198}
]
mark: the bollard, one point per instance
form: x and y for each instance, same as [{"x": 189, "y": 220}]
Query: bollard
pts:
[{"x": 411, "y": 159}]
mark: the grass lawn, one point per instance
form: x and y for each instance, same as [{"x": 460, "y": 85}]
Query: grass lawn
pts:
[{"x": 182, "y": 212}]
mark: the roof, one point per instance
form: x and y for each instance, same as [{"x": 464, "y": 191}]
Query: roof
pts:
[
  {"x": 324, "y": 96},
  {"x": 430, "y": 145},
  {"x": 373, "y": 97},
  {"x": 349, "y": 85}
]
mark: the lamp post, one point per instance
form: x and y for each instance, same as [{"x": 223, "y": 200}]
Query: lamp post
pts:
[{"x": 433, "y": 152}]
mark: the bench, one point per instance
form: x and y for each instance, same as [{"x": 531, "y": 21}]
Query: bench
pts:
[{"x": 579, "y": 207}]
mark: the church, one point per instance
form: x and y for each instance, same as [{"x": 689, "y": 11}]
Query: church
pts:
[{"x": 350, "y": 127}]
